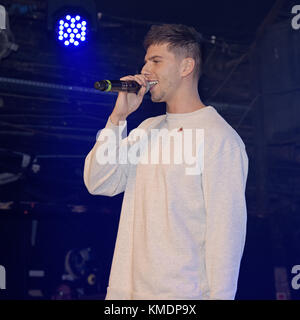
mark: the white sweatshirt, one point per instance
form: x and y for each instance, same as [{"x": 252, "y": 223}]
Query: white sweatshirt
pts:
[{"x": 181, "y": 236}]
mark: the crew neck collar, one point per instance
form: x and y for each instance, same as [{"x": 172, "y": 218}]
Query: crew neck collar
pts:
[{"x": 186, "y": 114}]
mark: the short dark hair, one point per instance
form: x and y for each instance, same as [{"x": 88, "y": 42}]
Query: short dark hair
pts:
[{"x": 180, "y": 39}]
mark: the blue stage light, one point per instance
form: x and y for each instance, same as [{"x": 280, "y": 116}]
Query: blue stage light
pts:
[{"x": 70, "y": 28}]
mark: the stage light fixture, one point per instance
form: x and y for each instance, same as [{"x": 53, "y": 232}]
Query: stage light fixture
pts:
[
  {"x": 66, "y": 32},
  {"x": 69, "y": 18},
  {"x": 7, "y": 41}
]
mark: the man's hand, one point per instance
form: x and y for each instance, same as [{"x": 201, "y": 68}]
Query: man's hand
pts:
[{"x": 129, "y": 102}]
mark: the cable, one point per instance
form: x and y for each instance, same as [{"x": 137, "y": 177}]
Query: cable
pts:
[
  {"x": 247, "y": 111},
  {"x": 239, "y": 61},
  {"x": 209, "y": 57}
]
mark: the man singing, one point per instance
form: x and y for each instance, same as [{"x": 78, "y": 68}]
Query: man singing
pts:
[{"x": 181, "y": 233}]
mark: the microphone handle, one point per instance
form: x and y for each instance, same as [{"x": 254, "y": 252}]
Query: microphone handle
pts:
[{"x": 117, "y": 86}]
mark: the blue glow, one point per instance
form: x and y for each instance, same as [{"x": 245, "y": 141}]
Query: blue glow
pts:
[{"x": 75, "y": 32}]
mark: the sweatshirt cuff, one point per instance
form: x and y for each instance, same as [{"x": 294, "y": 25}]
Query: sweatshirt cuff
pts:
[
  {"x": 116, "y": 128},
  {"x": 109, "y": 124}
]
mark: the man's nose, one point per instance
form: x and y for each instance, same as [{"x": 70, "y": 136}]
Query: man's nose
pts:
[{"x": 145, "y": 70}]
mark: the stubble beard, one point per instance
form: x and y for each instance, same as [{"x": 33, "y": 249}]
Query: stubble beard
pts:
[{"x": 157, "y": 97}]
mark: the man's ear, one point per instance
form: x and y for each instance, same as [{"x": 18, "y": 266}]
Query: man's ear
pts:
[{"x": 187, "y": 66}]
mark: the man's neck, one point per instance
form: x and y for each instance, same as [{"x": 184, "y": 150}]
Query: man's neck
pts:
[
  {"x": 186, "y": 99},
  {"x": 185, "y": 106}
]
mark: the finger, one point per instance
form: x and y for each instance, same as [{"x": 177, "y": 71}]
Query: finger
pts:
[
  {"x": 127, "y": 78},
  {"x": 134, "y": 78},
  {"x": 139, "y": 81},
  {"x": 142, "y": 92},
  {"x": 142, "y": 79}
]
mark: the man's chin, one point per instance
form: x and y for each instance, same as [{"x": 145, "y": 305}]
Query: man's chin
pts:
[{"x": 155, "y": 99}]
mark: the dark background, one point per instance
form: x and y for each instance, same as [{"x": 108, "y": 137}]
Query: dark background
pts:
[{"x": 50, "y": 115}]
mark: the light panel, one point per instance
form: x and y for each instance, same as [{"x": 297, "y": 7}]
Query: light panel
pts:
[{"x": 71, "y": 30}]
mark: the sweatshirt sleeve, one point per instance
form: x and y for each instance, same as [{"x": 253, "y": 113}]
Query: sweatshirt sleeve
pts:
[
  {"x": 224, "y": 182},
  {"x": 103, "y": 173}
]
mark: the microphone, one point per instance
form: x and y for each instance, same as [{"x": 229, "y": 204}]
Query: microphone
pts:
[{"x": 121, "y": 85}]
